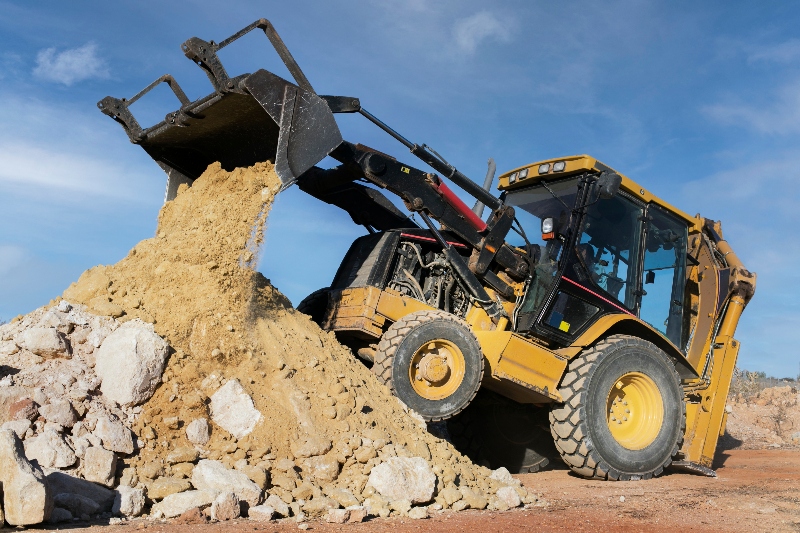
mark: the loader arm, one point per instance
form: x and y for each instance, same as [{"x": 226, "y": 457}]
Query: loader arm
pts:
[{"x": 260, "y": 116}]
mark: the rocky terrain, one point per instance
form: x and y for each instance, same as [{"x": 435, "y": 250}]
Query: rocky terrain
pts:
[{"x": 180, "y": 383}]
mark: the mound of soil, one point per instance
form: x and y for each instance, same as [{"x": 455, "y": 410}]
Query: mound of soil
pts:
[{"x": 196, "y": 282}]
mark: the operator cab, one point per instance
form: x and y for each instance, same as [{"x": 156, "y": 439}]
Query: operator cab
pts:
[{"x": 598, "y": 244}]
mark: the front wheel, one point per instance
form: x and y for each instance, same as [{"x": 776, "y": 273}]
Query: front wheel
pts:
[
  {"x": 432, "y": 362},
  {"x": 623, "y": 415}
]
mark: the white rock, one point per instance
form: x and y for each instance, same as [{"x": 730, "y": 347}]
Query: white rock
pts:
[
  {"x": 128, "y": 501},
  {"x": 60, "y": 515},
  {"x": 65, "y": 482},
  {"x": 99, "y": 465},
  {"x": 261, "y": 513},
  {"x": 277, "y": 505},
  {"x": 18, "y": 426},
  {"x": 337, "y": 516},
  {"x": 509, "y": 496},
  {"x": 225, "y": 507},
  {"x": 503, "y": 475},
  {"x": 76, "y": 504},
  {"x": 197, "y": 432},
  {"x": 64, "y": 306},
  {"x": 59, "y": 412},
  {"x": 50, "y": 450},
  {"x": 26, "y": 494},
  {"x": 8, "y": 348},
  {"x": 130, "y": 363},
  {"x": 404, "y": 478},
  {"x": 115, "y": 436},
  {"x": 177, "y": 504},
  {"x": 45, "y": 342},
  {"x": 213, "y": 476},
  {"x": 233, "y": 409},
  {"x": 418, "y": 513}
]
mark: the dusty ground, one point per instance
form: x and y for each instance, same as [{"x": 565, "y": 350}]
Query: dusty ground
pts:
[{"x": 757, "y": 490}]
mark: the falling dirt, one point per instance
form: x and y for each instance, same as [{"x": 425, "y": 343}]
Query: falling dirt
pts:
[{"x": 196, "y": 282}]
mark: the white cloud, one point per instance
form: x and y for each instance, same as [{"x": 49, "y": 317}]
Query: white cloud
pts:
[
  {"x": 470, "y": 32},
  {"x": 10, "y": 258},
  {"x": 70, "y": 66},
  {"x": 780, "y": 116},
  {"x": 784, "y": 52}
]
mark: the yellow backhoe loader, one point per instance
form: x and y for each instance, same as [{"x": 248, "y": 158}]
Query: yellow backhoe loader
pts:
[{"x": 583, "y": 316}]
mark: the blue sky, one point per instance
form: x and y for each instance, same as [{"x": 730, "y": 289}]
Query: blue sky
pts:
[{"x": 699, "y": 102}]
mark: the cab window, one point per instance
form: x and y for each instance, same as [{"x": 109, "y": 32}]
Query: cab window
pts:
[{"x": 607, "y": 249}]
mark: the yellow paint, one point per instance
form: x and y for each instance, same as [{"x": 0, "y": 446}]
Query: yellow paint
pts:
[
  {"x": 517, "y": 363},
  {"x": 707, "y": 419},
  {"x": 583, "y": 163}
]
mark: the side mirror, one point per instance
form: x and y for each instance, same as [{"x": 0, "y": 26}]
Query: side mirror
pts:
[
  {"x": 649, "y": 277},
  {"x": 608, "y": 184}
]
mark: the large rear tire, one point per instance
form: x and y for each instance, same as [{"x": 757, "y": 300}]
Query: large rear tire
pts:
[
  {"x": 499, "y": 432},
  {"x": 432, "y": 362},
  {"x": 623, "y": 415},
  {"x": 315, "y": 304}
]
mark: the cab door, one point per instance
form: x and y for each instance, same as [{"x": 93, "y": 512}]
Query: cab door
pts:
[{"x": 664, "y": 273}]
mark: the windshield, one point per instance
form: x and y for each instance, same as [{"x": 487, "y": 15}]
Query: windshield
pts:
[{"x": 531, "y": 205}]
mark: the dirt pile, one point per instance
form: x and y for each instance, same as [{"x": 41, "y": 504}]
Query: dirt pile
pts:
[
  {"x": 318, "y": 421},
  {"x": 765, "y": 418}
]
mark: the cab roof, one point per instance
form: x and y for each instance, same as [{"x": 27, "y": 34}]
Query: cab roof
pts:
[{"x": 527, "y": 175}]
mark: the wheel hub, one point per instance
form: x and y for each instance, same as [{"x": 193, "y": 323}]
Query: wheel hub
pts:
[
  {"x": 437, "y": 369},
  {"x": 635, "y": 411}
]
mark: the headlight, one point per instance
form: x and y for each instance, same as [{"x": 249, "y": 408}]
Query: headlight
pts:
[
  {"x": 560, "y": 166},
  {"x": 512, "y": 178},
  {"x": 544, "y": 168},
  {"x": 547, "y": 225},
  {"x": 523, "y": 173}
]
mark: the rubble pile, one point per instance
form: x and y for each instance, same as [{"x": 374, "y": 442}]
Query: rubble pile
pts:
[
  {"x": 180, "y": 382},
  {"x": 769, "y": 418}
]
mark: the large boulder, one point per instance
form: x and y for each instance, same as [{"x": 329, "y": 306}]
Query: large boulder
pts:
[
  {"x": 50, "y": 450},
  {"x": 99, "y": 465},
  {"x": 59, "y": 412},
  {"x": 45, "y": 342},
  {"x": 128, "y": 501},
  {"x": 404, "y": 478},
  {"x": 64, "y": 483},
  {"x": 213, "y": 476},
  {"x": 177, "y": 504},
  {"x": 233, "y": 409},
  {"x": 114, "y": 435},
  {"x": 27, "y": 498},
  {"x": 130, "y": 363},
  {"x": 76, "y": 504}
]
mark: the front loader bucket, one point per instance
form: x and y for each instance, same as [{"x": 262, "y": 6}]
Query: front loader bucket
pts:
[{"x": 248, "y": 119}]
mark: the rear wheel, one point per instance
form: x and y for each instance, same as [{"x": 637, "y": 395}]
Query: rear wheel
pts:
[
  {"x": 315, "y": 305},
  {"x": 432, "y": 362},
  {"x": 499, "y": 432},
  {"x": 623, "y": 415}
]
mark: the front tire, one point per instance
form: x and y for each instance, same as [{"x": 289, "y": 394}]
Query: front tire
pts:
[
  {"x": 432, "y": 362},
  {"x": 623, "y": 415}
]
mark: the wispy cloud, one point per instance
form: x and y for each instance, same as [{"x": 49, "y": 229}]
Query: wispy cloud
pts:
[
  {"x": 470, "y": 32},
  {"x": 780, "y": 116},
  {"x": 10, "y": 258},
  {"x": 784, "y": 52},
  {"x": 70, "y": 66}
]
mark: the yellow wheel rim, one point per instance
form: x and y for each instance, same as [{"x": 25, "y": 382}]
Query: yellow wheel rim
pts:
[
  {"x": 635, "y": 411},
  {"x": 437, "y": 369}
]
